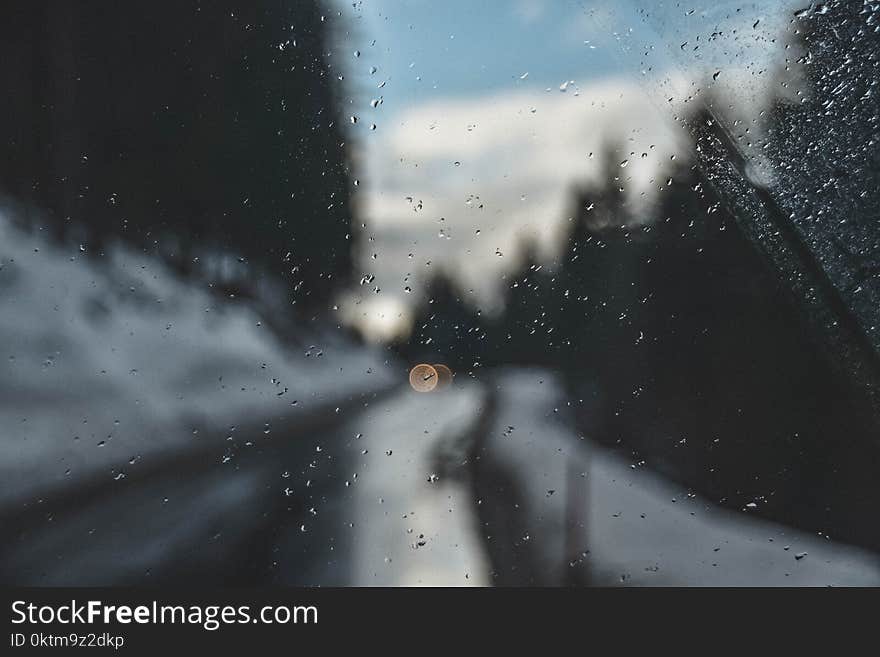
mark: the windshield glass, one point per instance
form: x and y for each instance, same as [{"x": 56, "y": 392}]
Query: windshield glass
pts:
[{"x": 463, "y": 293}]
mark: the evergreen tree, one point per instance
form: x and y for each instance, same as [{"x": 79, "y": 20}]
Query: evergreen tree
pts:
[
  {"x": 447, "y": 329},
  {"x": 525, "y": 332}
]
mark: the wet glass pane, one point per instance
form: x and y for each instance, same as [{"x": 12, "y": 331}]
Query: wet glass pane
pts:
[{"x": 464, "y": 293}]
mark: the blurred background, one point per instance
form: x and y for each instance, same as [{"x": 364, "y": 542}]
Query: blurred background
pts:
[{"x": 642, "y": 235}]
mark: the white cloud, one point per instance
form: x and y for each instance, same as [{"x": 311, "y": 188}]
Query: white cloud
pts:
[{"x": 505, "y": 165}]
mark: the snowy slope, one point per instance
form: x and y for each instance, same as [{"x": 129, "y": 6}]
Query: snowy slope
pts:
[
  {"x": 630, "y": 526},
  {"x": 108, "y": 361}
]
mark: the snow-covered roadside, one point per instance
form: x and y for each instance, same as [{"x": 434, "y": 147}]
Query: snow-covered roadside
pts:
[
  {"x": 106, "y": 362},
  {"x": 644, "y": 530},
  {"x": 635, "y": 528}
]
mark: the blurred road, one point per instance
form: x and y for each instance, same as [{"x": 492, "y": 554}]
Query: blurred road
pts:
[{"x": 407, "y": 493}]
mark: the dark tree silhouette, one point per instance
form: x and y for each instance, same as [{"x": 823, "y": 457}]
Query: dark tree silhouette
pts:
[
  {"x": 703, "y": 363},
  {"x": 447, "y": 329},
  {"x": 596, "y": 273},
  {"x": 525, "y": 332},
  {"x": 185, "y": 128}
]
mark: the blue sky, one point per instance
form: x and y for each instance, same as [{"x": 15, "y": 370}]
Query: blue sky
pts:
[
  {"x": 425, "y": 49},
  {"x": 472, "y": 47}
]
